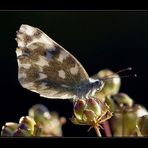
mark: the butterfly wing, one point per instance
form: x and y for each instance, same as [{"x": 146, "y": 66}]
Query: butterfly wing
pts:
[{"x": 44, "y": 66}]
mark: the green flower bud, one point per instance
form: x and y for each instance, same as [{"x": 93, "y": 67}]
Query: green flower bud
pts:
[
  {"x": 79, "y": 106},
  {"x": 40, "y": 113},
  {"x": 9, "y": 128},
  {"x": 54, "y": 126},
  {"x": 124, "y": 120},
  {"x": 21, "y": 133},
  {"x": 75, "y": 120},
  {"x": 124, "y": 124},
  {"x": 142, "y": 124},
  {"x": 27, "y": 123},
  {"x": 109, "y": 101},
  {"x": 93, "y": 105},
  {"x": 140, "y": 110},
  {"x": 111, "y": 85},
  {"x": 88, "y": 115},
  {"x": 62, "y": 120},
  {"x": 49, "y": 124},
  {"x": 123, "y": 99},
  {"x": 89, "y": 111}
]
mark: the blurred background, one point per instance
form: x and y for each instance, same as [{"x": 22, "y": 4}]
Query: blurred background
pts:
[{"x": 98, "y": 39}]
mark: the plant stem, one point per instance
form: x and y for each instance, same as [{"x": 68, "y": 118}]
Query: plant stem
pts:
[
  {"x": 97, "y": 131},
  {"x": 123, "y": 124},
  {"x": 107, "y": 129}
]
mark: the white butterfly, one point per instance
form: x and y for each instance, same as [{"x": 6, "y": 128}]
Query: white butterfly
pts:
[{"x": 48, "y": 69}]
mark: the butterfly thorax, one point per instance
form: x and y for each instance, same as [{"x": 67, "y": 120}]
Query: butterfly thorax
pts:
[{"x": 88, "y": 88}]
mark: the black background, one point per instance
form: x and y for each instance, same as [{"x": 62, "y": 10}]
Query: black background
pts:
[{"x": 98, "y": 39}]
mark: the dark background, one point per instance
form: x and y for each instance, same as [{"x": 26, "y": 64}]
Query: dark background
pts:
[{"x": 98, "y": 39}]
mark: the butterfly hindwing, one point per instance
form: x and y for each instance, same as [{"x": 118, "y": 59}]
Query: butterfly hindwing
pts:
[{"x": 44, "y": 66}]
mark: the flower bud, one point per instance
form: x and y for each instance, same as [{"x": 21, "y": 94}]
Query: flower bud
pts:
[
  {"x": 140, "y": 110},
  {"x": 54, "y": 126},
  {"x": 93, "y": 105},
  {"x": 142, "y": 124},
  {"x": 9, "y": 128},
  {"x": 88, "y": 112},
  {"x": 124, "y": 124},
  {"x": 21, "y": 133},
  {"x": 62, "y": 120},
  {"x": 49, "y": 124},
  {"x": 27, "y": 123},
  {"x": 39, "y": 113},
  {"x": 79, "y": 106},
  {"x": 87, "y": 109},
  {"x": 124, "y": 121},
  {"x": 111, "y": 86},
  {"x": 123, "y": 99},
  {"x": 88, "y": 115},
  {"x": 110, "y": 103}
]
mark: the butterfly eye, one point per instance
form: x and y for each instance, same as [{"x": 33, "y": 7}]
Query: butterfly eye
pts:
[{"x": 99, "y": 84}]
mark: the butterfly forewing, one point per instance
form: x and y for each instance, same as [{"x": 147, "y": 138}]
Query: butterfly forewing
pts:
[{"x": 45, "y": 67}]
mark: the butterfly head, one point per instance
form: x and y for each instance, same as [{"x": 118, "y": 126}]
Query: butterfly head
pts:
[{"x": 97, "y": 84}]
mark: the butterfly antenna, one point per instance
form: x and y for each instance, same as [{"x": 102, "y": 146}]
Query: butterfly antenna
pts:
[
  {"x": 126, "y": 76},
  {"x": 120, "y": 71}
]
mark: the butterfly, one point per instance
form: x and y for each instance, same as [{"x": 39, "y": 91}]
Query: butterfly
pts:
[{"x": 48, "y": 69}]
